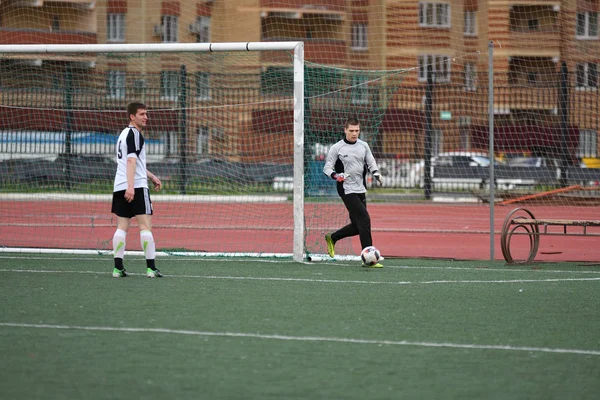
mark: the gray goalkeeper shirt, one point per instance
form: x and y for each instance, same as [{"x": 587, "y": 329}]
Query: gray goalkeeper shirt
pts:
[{"x": 352, "y": 159}]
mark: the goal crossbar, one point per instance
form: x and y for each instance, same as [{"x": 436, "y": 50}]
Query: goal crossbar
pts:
[{"x": 150, "y": 47}]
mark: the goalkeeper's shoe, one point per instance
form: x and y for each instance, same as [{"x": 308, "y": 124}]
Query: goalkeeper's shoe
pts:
[
  {"x": 119, "y": 273},
  {"x": 330, "y": 245},
  {"x": 153, "y": 273},
  {"x": 378, "y": 265}
]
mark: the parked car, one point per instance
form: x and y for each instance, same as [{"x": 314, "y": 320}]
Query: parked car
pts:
[
  {"x": 590, "y": 162},
  {"x": 457, "y": 160},
  {"x": 532, "y": 162},
  {"x": 460, "y": 159}
]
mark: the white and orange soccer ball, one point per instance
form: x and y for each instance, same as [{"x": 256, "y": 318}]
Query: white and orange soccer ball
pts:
[{"x": 370, "y": 255}]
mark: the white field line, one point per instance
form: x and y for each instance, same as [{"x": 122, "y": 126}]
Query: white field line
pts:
[
  {"x": 104, "y": 257},
  {"x": 469, "y": 346},
  {"x": 326, "y": 263},
  {"x": 183, "y": 254},
  {"x": 310, "y": 280},
  {"x": 185, "y": 199}
]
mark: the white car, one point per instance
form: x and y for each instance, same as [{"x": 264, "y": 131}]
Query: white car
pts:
[
  {"x": 407, "y": 174},
  {"x": 460, "y": 159}
]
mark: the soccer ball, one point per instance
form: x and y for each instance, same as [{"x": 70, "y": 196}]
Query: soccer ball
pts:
[{"x": 370, "y": 255}]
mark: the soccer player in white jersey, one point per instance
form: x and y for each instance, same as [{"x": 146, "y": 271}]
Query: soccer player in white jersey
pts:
[
  {"x": 131, "y": 197},
  {"x": 347, "y": 163}
]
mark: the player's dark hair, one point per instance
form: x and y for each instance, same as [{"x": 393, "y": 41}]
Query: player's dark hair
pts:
[
  {"x": 351, "y": 121},
  {"x": 133, "y": 108}
]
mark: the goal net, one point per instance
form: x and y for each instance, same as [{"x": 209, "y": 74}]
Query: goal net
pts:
[{"x": 239, "y": 147}]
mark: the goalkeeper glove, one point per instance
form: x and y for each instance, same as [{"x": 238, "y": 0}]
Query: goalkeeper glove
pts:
[
  {"x": 377, "y": 176},
  {"x": 340, "y": 177}
]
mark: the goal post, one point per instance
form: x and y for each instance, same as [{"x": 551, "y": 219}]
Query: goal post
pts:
[{"x": 298, "y": 96}]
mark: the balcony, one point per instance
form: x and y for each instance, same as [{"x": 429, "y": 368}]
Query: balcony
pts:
[
  {"x": 526, "y": 98},
  {"x": 533, "y": 83},
  {"x": 541, "y": 42},
  {"x": 530, "y": 3},
  {"x": 534, "y": 27},
  {"x": 302, "y": 6},
  {"x": 296, "y": 9},
  {"x": 38, "y": 36},
  {"x": 84, "y": 4}
]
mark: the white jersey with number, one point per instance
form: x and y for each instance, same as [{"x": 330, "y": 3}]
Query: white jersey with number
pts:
[{"x": 131, "y": 145}]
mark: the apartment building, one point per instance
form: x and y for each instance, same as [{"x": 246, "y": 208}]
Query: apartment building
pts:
[{"x": 531, "y": 39}]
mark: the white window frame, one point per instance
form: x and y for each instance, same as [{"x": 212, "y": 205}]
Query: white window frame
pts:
[
  {"x": 115, "y": 84},
  {"x": 170, "y": 29},
  {"x": 588, "y": 143},
  {"x": 434, "y": 15},
  {"x": 470, "y": 76},
  {"x": 169, "y": 85},
  {"x": 588, "y": 28},
  {"x": 203, "y": 34},
  {"x": 437, "y": 141},
  {"x": 360, "y": 90},
  {"x": 470, "y": 28},
  {"x": 440, "y": 64},
  {"x": 115, "y": 28},
  {"x": 203, "y": 140},
  {"x": 359, "y": 36},
  {"x": 202, "y": 85},
  {"x": 583, "y": 70}
]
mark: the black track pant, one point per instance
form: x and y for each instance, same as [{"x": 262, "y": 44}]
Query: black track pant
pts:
[{"x": 360, "y": 221}]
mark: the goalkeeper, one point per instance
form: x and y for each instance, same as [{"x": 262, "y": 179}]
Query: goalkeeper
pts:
[{"x": 347, "y": 163}]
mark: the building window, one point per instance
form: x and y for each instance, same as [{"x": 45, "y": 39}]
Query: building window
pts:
[
  {"x": 359, "y": 36},
  {"x": 55, "y": 24},
  {"x": 202, "y": 29},
  {"x": 470, "y": 77},
  {"x": 587, "y": 25},
  {"x": 169, "y": 85},
  {"x": 586, "y": 75},
  {"x": 202, "y": 140},
  {"x": 434, "y": 15},
  {"x": 588, "y": 143},
  {"x": 440, "y": 66},
  {"x": 203, "y": 86},
  {"x": 360, "y": 90},
  {"x": 115, "y": 27},
  {"x": 115, "y": 84},
  {"x": 170, "y": 24},
  {"x": 470, "y": 23}
]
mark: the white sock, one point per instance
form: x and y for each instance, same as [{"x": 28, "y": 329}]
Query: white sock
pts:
[
  {"x": 148, "y": 244},
  {"x": 119, "y": 243}
]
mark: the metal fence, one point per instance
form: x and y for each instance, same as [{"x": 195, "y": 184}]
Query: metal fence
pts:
[{"x": 555, "y": 117}]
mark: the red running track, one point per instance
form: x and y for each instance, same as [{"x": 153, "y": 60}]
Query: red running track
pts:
[{"x": 399, "y": 230}]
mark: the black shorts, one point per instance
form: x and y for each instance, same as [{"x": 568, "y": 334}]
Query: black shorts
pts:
[{"x": 140, "y": 205}]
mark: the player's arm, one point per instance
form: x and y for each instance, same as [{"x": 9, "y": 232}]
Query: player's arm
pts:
[
  {"x": 155, "y": 181},
  {"x": 372, "y": 165},
  {"x": 328, "y": 170},
  {"x": 132, "y": 154},
  {"x": 131, "y": 164}
]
